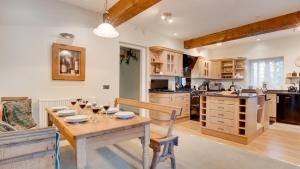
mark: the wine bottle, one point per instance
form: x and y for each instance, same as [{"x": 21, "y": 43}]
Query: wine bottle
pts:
[{"x": 63, "y": 68}]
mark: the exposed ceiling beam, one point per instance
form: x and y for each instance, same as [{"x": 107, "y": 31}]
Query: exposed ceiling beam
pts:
[
  {"x": 270, "y": 25},
  {"x": 124, "y": 10}
]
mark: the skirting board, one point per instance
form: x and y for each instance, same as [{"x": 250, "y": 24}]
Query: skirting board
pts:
[{"x": 231, "y": 137}]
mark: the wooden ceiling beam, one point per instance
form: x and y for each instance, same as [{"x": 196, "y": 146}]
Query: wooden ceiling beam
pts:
[
  {"x": 124, "y": 10},
  {"x": 266, "y": 26}
]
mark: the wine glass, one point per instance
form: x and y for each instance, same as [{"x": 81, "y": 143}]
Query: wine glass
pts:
[
  {"x": 106, "y": 107},
  {"x": 95, "y": 110},
  {"x": 82, "y": 105},
  {"x": 73, "y": 102}
]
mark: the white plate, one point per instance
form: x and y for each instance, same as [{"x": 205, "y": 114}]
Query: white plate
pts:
[
  {"x": 124, "y": 114},
  {"x": 112, "y": 110},
  {"x": 66, "y": 112},
  {"x": 58, "y": 108},
  {"x": 77, "y": 119}
]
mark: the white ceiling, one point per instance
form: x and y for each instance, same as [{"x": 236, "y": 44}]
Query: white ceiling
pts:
[
  {"x": 262, "y": 38},
  {"x": 92, "y": 5},
  {"x": 193, "y": 18}
]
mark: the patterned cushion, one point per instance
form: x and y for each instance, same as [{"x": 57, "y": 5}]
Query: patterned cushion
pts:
[
  {"x": 4, "y": 127},
  {"x": 18, "y": 114}
]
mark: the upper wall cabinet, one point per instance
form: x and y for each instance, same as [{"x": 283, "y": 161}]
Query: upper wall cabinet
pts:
[
  {"x": 164, "y": 61},
  {"x": 233, "y": 68}
]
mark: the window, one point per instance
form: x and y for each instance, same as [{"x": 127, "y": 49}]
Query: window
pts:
[{"x": 267, "y": 70}]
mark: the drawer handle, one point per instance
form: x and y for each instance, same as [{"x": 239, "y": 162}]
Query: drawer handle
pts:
[
  {"x": 221, "y": 129},
  {"x": 220, "y": 114},
  {"x": 220, "y": 121},
  {"x": 220, "y": 100},
  {"x": 220, "y": 107}
]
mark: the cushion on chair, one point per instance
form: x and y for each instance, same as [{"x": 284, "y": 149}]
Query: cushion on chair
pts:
[
  {"x": 18, "y": 114},
  {"x": 5, "y": 127}
]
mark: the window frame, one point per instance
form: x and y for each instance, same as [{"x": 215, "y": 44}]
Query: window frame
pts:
[{"x": 267, "y": 69}]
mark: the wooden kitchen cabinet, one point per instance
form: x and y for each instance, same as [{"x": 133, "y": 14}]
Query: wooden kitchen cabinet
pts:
[
  {"x": 214, "y": 70},
  {"x": 201, "y": 69},
  {"x": 239, "y": 119},
  {"x": 172, "y": 99},
  {"x": 219, "y": 69},
  {"x": 164, "y": 61},
  {"x": 273, "y": 104}
]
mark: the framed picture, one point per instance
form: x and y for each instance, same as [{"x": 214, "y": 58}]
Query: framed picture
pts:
[{"x": 68, "y": 62}]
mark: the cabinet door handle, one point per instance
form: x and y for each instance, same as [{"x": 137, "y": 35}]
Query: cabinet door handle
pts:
[
  {"x": 220, "y": 114},
  {"x": 277, "y": 99},
  {"x": 221, "y": 129},
  {"x": 221, "y": 122},
  {"x": 220, "y": 107}
]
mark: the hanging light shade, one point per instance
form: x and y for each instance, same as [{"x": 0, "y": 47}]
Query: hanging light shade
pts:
[{"x": 105, "y": 29}]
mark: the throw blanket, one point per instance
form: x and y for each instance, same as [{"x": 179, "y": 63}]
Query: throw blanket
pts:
[{"x": 18, "y": 114}]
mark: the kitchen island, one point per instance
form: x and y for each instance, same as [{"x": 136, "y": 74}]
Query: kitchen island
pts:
[{"x": 238, "y": 118}]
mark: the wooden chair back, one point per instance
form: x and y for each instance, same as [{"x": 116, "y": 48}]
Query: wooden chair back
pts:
[
  {"x": 13, "y": 98},
  {"x": 170, "y": 110},
  {"x": 28, "y": 149}
]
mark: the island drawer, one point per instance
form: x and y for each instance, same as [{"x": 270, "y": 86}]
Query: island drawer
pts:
[
  {"x": 221, "y": 114},
  {"x": 221, "y": 100},
  {"x": 221, "y": 107},
  {"x": 220, "y": 128},
  {"x": 220, "y": 121}
]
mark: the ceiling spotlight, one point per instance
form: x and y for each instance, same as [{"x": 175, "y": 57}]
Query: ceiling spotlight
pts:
[
  {"x": 175, "y": 34},
  {"x": 219, "y": 44},
  {"x": 167, "y": 17},
  {"x": 297, "y": 29},
  {"x": 258, "y": 39},
  {"x": 67, "y": 35}
]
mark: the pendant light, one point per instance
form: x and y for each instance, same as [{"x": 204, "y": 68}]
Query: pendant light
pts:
[{"x": 105, "y": 29}]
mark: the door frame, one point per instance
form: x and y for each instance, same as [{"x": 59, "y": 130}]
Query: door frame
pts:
[{"x": 144, "y": 72}]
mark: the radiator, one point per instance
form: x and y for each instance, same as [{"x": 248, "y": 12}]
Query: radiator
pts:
[{"x": 45, "y": 103}]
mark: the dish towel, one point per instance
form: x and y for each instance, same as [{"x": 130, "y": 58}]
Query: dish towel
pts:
[{"x": 57, "y": 157}]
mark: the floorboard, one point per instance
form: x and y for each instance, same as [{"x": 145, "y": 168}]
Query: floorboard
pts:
[{"x": 280, "y": 141}]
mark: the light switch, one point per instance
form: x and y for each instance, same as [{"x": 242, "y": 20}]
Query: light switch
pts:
[{"x": 106, "y": 86}]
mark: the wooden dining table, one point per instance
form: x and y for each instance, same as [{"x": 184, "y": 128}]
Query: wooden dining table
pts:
[{"x": 102, "y": 130}]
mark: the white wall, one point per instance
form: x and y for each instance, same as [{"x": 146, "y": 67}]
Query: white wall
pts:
[
  {"x": 288, "y": 47},
  {"x": 27, "y": 31}
]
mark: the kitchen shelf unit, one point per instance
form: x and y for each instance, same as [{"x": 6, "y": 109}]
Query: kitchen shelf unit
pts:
[
  {"x": 219, "y": 69},
  {"x": 203, "y": 111},
  {"x": 238, "y": 119},
  {"x": 165, "y": 61}
]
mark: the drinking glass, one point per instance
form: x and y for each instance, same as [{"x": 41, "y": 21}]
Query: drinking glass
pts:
[
  {"x": 82, "y": 106},
  {"x": 73, "y": 102},
  {"x": 106, "y": 107}
]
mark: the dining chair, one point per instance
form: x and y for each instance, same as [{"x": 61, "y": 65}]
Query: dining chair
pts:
[{"x": 162, "y": 144}]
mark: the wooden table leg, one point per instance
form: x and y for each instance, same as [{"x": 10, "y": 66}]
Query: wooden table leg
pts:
[
  {"x": 146, "y": 142},
  {"x": 80, "y": 152}
]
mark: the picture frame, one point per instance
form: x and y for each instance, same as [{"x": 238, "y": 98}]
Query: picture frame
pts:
[{"x": 68, "y": 62}]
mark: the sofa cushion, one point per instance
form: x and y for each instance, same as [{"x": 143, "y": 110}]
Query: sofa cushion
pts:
[{"x": 18, "y": 114}]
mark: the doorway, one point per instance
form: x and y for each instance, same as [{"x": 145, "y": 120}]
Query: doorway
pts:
[{"x": 133, "y": 74}]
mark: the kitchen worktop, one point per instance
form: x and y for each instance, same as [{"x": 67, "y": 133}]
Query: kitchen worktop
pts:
[
  {"x": 242, "y": 95},
  {"x": 171, "y": 91},
  {"x": 281, "y": 92}
]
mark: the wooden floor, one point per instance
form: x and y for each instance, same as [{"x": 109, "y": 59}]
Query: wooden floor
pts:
[{"x": 280, "y": 141}]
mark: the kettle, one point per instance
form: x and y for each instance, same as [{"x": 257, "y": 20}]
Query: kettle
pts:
[{"x": 292, "y": 88}]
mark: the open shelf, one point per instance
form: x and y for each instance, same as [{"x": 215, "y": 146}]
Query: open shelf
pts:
[
  {"x": 242, "y": 117},
  {"x": 242, "y": 131}
]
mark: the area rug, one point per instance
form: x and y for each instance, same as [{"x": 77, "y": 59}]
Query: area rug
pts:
[{"x": 193, "y": 152}]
